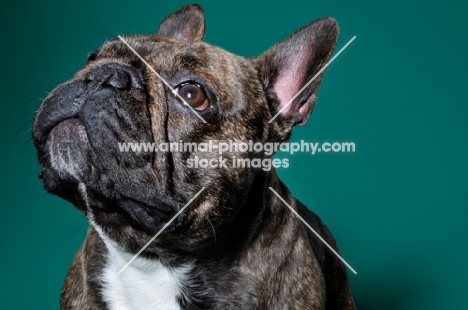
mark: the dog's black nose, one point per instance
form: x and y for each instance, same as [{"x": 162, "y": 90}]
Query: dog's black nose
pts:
[
  {"x": 123, "y": 77},
  {"x": 108, "y": 81}
]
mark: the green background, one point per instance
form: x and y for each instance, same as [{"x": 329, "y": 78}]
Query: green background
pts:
[{"x": 397, "y": 207}]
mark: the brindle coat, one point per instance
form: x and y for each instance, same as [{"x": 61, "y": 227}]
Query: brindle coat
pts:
[{"x": 247, "y": 249}]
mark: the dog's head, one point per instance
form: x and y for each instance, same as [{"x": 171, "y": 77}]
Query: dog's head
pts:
[{"x": 116, "y": 98}]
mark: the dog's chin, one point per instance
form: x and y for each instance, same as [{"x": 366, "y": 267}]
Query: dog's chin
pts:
[
  {"x": 70, "y": 172},
  {"x": 124, "y": 214}
]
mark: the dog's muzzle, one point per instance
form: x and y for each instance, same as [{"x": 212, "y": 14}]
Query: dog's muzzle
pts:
[{"x": 77, "y": 131}]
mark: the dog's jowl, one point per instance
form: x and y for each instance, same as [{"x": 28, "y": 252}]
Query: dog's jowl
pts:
[{"x": 236, "y": 245}]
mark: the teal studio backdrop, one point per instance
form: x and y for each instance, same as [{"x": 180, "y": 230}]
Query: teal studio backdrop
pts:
[{"x": 397, "y": 206}]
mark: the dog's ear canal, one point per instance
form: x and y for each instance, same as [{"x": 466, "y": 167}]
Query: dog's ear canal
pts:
[
  {"x": 187, "y": 24},
  {"x": 290, "y": 64}
]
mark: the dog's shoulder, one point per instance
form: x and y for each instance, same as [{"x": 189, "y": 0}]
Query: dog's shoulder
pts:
[
  {"x": 316, "y": 223},
  {"x": 336, "y": 279},
  {"x": 82, "y": 286}
]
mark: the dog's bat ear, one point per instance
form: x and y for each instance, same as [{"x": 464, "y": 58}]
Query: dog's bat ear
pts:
[
  {"x": 187, "y": 24},
  {"x": 290, "y": 64}
]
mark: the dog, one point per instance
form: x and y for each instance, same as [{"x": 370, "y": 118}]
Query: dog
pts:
[{"x": 235, "y": 245}]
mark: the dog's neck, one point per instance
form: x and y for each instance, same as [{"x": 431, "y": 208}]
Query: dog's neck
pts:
[{"x": 176, "y": 278}]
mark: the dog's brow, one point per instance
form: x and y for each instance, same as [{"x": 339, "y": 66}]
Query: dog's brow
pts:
[{"x": 161, "y": 78}]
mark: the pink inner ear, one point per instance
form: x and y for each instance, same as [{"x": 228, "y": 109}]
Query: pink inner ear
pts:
[
  {"x": 291, "y": 78},
  {"x": 285, "y": 89}
]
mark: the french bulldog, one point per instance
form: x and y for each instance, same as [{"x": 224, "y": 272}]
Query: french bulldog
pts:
[{"x": 236, "y": 245}]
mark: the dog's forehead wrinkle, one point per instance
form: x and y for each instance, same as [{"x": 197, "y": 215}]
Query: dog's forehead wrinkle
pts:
[{"x": 116, "y": 48}]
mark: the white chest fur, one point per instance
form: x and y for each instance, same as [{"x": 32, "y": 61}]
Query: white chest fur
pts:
[{"x": 144, "y": 284}]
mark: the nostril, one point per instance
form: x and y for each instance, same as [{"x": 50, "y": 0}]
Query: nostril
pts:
[
  {"x": 112, "y": 75},
  {"x": 119, "y": 79},
  {"x": 92, "y": 76},
  {"x": 89, "y": 78}
]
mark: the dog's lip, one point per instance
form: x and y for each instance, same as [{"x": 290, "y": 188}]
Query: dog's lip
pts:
[
  {"x": 69, "y": 122},
  {"x": 76, "y": 124},
  {"x": 73, "y": 124},
  {"x": 79, "y": 135},
  {"x": 43, "y": 138}
]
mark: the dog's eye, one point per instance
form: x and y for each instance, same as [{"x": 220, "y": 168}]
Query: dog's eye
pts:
[{"x": 194, "y": 95}]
